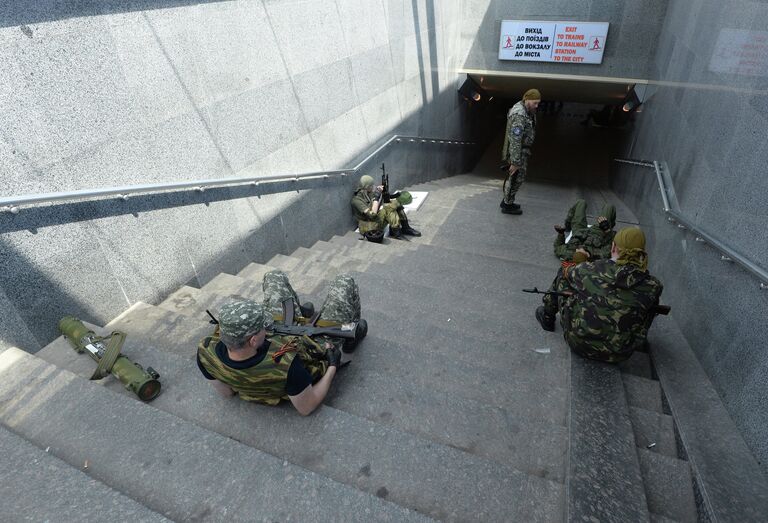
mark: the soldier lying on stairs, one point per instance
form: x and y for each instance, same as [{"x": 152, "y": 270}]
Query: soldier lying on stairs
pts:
[
  {"x": 606, "y": 307},
  {"x": 373, "y": 215},
  {"x": 243, "y": 356},
  {"x": 594, "y": 241}
]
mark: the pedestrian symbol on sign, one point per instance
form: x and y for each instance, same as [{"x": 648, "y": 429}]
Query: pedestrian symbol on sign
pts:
[
  {"x": 597, "y": 43},
  {"x": 508, "y": 43}
]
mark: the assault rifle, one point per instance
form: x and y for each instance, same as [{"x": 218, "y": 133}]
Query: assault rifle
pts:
[
  {"x": 290, "y": 324},
  {"x": 657, "y": 309},
  {"x": 385, "y": 196}
]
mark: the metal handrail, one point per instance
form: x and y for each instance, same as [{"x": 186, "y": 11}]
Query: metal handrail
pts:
[
  {"x": 727, "y": 253},
  {"x": 11, "y": 203}
]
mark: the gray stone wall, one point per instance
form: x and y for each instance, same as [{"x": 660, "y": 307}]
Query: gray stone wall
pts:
[
  {"x": 630, "y": 46},
  {"x": 100, "y": 94},
  {"x": 709, "y": 124}
]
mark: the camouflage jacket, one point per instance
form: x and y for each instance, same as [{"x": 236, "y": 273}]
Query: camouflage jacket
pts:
[
  {"x": 361, "y": 205},
  {"x": 519, "y": 136},
  {"x": 611, "y": 308},
  {"x": 593, "y": 240},
  {"x": 264, "y": 382}
]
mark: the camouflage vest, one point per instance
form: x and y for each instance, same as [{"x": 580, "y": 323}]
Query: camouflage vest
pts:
[{"x": 264, "y": 382}]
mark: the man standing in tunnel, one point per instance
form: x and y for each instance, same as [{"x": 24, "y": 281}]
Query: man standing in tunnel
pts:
[{"x": 518, "y": 140}]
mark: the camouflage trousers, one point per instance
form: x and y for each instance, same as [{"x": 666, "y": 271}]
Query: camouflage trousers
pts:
[
  {"x": 389, "y": 213},
  {"x": 514, "y": 181},
  {"x": 576, "y": 219},
  {"x": 342, "y": 303}
]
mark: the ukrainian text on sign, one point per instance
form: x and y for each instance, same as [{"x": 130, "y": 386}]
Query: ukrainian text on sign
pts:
[{"x": 565, "y": 42}]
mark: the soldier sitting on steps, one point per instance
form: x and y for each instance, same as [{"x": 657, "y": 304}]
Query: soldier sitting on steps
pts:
[
  {"x": 373, "y": 216},
  {"x": 243, "y": 357},
  {"x": 606, "y": 307}
]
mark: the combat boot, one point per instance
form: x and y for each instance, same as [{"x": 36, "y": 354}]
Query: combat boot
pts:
[
  {"x": 396, "y": 233},
  {"x": 511, "y": 209},
  {"x": 410, "y": 231},
  {"x": 546, "y": 321},
  {"x": 512, "y": 205}
]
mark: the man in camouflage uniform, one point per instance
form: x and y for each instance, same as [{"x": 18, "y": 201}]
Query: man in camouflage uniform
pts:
[
  {"x": 518, "y": 140},
  {"x": 244, "y": 357},
  {"x": 594, "y": 241},
  {"x": 610, "y": 304},
  {"x": 372, "y": 219}
]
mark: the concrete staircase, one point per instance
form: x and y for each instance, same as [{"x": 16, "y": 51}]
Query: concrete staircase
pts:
[{"x": 456, "y": 407}]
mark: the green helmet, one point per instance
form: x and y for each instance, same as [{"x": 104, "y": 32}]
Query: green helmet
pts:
[
  {"x": 366, "y": 181},
  {"x": 405, "y": 198}
]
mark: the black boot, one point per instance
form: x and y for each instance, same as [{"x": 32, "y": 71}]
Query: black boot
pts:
[
  {"x": 307, "y": 309},
  {"x": 396, "y": 233},
  {"x": 511, "y": 209},
  {"x": 407, "y": 229},
  {"x": 546, "y": 321}
]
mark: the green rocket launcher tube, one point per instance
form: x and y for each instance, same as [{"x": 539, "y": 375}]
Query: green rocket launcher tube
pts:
[{"x": 106, "y": 352}]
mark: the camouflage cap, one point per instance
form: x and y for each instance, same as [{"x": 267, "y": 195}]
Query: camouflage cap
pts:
[{"x": 243, "y": 317}]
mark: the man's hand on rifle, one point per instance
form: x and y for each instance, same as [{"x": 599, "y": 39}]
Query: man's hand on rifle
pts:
[
  {"x": 512, "y": 168},
  {"x": 333, "y": 355}
]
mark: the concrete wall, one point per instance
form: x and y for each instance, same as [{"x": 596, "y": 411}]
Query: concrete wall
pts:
[
  {"x": 98, "y": 94},
  {"x": 630, "y": 46},
  {"x": 710, "y": 124}
]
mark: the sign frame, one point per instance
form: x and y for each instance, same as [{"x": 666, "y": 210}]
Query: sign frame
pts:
[{"x": 559, "y": 41}]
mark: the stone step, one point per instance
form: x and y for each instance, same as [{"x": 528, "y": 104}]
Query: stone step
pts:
[
  {"x": 37, "y": 486},
  {"x": 165, "y": 327},
  {"x": 471, "y": 272},
  {"x": 537, "y": 385},
  {"x": 171, "y": 466},
  {"x": 604, "y": 479},
  {"x": 443, "y": 346},
  {"x": 518, "y": 416},
  {"x": 668, "y": 486},
  {"x": 441, "y": 411},
  {"x": 732, "y": 483},
  {"x": 643, "y": 393},
  {"x": 639, "y": 364},
  {"x": 654, "y": 431},
  {"x": 334, "y": 254},
  {"x": 528, "y": 341},
  {"x": 368, "y": 456},
  {"x": 397, "y": 292}
]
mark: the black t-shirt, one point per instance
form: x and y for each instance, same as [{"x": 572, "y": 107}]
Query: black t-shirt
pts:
[{"x": 299, "y": 377}]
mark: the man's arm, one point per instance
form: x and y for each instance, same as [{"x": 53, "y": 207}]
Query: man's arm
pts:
[
  {"x": 313, "y": 395},
  {"x": 515, "y": 142},
  {"x": 365, "y": 209}
]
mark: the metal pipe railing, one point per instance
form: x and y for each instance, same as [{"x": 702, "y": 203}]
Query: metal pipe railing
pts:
[
  {"x": 727, "y": 253},
  {"x": 11, "y": 203}
]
